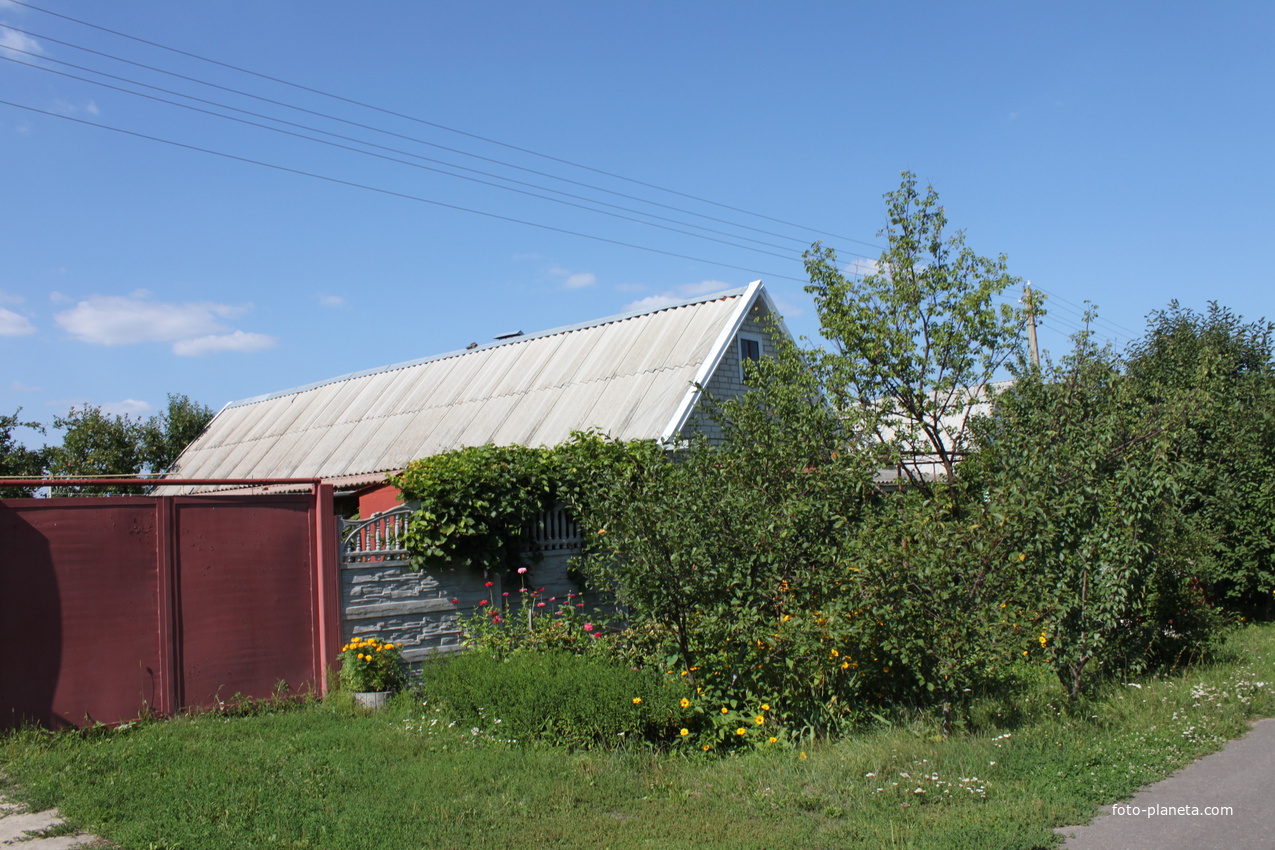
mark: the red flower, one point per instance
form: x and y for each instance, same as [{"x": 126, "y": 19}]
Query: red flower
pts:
[
  {"x": 490, "y": 583},
  {"x": 482, "y": 601}
]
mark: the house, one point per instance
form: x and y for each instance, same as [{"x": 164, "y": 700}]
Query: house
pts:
[{"x": 632, "y": 376}]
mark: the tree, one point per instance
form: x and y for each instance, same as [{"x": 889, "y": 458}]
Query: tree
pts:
[
  {"x": 166, "y": 435},
  {"x": 1214, "y": 372},
  {"x": 17, "y": 460},
  {"x": 96, "y": 444},
  {"x": 1083, "y": 486},
  {"x": 918, "y": 339}
]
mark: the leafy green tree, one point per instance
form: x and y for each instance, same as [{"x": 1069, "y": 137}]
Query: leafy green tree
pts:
[
  {"x": 916, "y": 340},
  {"x": 96, "y": 445},
  {"x": 723, "y": 550},
  {"x": 1083, "y": 487},
  {"x": 166, "y": 435},
  {"x": 16, "y": 460},
  {"x": 1214, "y": 374}
]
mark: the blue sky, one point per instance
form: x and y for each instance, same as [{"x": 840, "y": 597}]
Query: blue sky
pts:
[{"x": 1117, "y": 153}]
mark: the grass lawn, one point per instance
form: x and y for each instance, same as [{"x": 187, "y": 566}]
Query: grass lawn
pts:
[{"x": 328, "y": 776}]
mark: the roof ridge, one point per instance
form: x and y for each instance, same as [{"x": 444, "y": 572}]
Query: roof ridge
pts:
[{"x": 407, "y": 364}]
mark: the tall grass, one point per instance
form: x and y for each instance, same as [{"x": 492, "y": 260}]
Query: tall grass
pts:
[{"x": 326, "y": 775}]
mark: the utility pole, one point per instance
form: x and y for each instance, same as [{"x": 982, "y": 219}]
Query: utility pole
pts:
[{"x": 1030, "y": 301}]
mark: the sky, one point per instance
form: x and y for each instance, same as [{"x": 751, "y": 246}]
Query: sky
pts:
[{"x": 227, "y": 199}]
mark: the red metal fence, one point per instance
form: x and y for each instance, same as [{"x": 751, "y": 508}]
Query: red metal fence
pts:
[{"x": 113, "y": 607}]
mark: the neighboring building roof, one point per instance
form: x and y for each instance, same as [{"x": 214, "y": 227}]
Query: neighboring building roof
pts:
[{"x": 632, "y": 376}]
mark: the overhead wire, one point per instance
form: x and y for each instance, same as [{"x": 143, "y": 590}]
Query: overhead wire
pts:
[
  {"x": 393, "y": 193},
  {"x": 246, "y": 122},
  {"x": 1067, "y": 323},
  {"x": 416, "y": 119}
]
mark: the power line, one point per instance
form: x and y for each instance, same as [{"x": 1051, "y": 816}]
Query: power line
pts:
[
  {"x": 392, "y": 193},
  {"x": 402, "y": 162},
  {"x": 438, "y": 126},
  {"x": 383, "y": 131}
]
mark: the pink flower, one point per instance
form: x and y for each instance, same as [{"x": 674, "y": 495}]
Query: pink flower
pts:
[
  {"x": 482, "y": 601},
  {"x": 497, "y": 619},
  {"x": 540, "y": 605},
  {"x": 490, "y": 583},
  {"x": 506, "y": 593},
  {"x": 588, "y": 627},
  {"x": 522, "y": 570}
]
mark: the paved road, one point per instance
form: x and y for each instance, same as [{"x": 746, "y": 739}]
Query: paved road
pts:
[{"x": 1171, "y": 814}]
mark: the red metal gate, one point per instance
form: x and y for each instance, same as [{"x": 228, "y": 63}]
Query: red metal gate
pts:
[{"x": 113, "y": 607}]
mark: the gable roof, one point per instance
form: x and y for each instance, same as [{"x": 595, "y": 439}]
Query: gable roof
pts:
[{"x": 631, "y": 375}]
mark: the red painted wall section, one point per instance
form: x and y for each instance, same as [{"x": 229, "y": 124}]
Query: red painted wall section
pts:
[
  {"x": 246, "y": 584},
  {"x": 79, "y": 611},
  {"x": 382, "y": 497},
  {"x": 113, "y": 607}
]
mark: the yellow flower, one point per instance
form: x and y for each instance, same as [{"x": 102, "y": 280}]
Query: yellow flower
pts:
[
  {"x": 759, "y": 720},
  {"x": 741, "y": 731},
  {"x": 725, "y": 710},
  {"x": 803, "y": 756},
  {"x": 772, "y": 740},
  {"x": 637, "y": 700},
  {"x": 685, "y": 732},
  {"x": 685, "y": 702},
  {"x": 685, "y": 673},
  {"x": 765, "y": 706},
  {"x": 1043, "y": 639},
  {"x": 705, "y": 748}
]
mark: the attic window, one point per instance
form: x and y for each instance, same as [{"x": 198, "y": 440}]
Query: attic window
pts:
[{"x": 749, "y": 349}]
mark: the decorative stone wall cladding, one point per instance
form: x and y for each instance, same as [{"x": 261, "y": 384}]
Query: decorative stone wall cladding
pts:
[{"x": 423, "y": 610}]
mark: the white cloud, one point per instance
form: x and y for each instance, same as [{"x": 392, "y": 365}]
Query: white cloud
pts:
[
  {"x": 217, "y": 343},
  {"x": 677, "y": 295},
  {"x": 862, "y": 266},
  {"x": 12, "y": 324},
  {"x": 194, "y": 328},
  {"x": 19, "y": 387},
  {"x": 15, "y": 41},
  {"x": 579, "y": 281},
  {"x": 128, "y": 407},
  {"x": 570, "y": 279},
  {"x": 331, "y": 301}
]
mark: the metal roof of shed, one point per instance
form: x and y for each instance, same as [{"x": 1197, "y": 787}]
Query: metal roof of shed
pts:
[{"x": 631, "y": 375}]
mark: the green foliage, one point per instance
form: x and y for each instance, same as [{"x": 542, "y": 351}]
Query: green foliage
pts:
[
  {"x": 918, "y": 338},
  {"x": 557, "y": 697},
  {"x": 166, "y": 435},
  {"x": 96, "y": 444},
  {"x": 1082, "y": 482},
  {"x": 474, "y": 502},
  {"x": 1215, "y": 376},
  {"x": 720, "y": 551},
  {"x": 16, "y": 460}
]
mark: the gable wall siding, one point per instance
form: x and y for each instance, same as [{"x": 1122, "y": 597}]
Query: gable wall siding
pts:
[{"x": 727, "y": 379}]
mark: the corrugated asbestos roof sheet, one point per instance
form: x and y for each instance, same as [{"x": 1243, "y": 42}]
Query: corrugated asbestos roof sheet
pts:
[{"x": 629, "y": 375}]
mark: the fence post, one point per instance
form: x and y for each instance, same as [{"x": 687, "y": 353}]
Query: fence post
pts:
[{"x": 327, "y": 598}]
